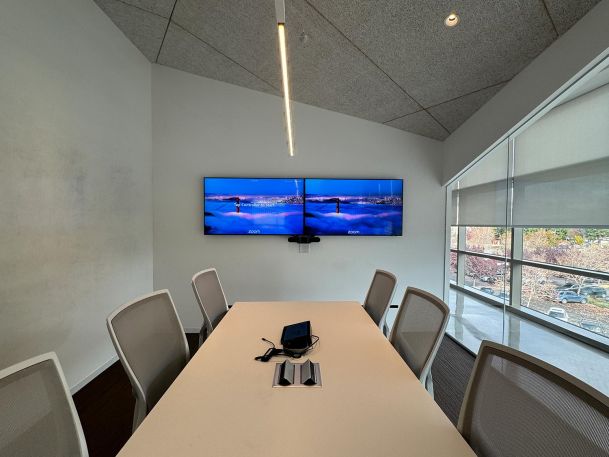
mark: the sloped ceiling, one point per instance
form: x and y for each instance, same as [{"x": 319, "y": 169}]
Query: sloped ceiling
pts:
[{"x": 388, "y": 61}]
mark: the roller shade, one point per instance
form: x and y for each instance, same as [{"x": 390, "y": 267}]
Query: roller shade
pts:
[
  {"x": 479, "y": 198},
  {"x": 577, "y": 196},
  {"x": 561, "y": 166}
]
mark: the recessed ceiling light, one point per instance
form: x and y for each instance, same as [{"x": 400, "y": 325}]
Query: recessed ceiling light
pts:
[{"x": 451, "y": 20}]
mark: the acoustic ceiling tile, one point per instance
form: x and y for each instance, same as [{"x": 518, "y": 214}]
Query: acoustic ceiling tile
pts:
[
  {"x": 565, "y": 13},
  {"x": 435, "y": 63},
  {"x": 358, "y": 57},
  {"x": 160, "y": 7},
  {"x": 244, "y": 30},
  {"x": 144, "y": 29},
  {"x": 420, "y": 123},
  {"x": 328, "y": 71},
  {"x": 455, "y": 112},
  {"x": 183, "y": 51}
]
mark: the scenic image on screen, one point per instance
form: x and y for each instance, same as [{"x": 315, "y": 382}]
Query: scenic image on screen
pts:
[
  {"x": 353, "y": 207},
  {"x": 253, "y": 206}
]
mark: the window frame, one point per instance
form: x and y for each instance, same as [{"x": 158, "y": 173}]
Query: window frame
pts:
[
  {"x": 591, "y": 70},
  {"x": 512, "y": 303}
]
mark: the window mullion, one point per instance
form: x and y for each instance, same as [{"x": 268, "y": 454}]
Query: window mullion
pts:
[
  {"x": 516, "y": 272},
  {"x": 461, "y": 256}
]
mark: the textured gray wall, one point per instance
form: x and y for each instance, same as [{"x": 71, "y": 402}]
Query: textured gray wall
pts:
[
  {"x": 203, "y": 127},
  {"x": 560, "y": 63},
  {"x": 75, "y": 181}
]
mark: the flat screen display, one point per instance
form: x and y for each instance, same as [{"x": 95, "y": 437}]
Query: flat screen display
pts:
[
  {"x": 253, "y": 206},
  {"x": 353, "y": 207}
]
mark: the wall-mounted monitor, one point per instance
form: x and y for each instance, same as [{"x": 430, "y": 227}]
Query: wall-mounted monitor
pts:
[
  {"x": 361, "y": 207},
  {"x": 253, "y": 206}
]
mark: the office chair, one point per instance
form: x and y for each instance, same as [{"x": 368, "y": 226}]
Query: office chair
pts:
[
  {"x": 151, "y": 345},
  {"x": 37, "y": 414},
  {"x": 212, "y": 301},
  {"x": 379, "y": 296},
  {"x": 418, "y": 331},
  {"x": 518, "y": 405}
]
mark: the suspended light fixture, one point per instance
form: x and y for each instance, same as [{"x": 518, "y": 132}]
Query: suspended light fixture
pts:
[{"x": 283, "y": 52}]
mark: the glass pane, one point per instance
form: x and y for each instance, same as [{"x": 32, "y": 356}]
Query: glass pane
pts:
[
  {"x": 581, "y": 248},
  {"x": 473, "y": 320},
  {"x": 454, "y": 237},
  {"x": 575, "y": 299},
  {"x": 489, "y": 276},
  {"x": 488, "y": 240},
  {"x": 507, "y": 282},
  {"x": 480, "y": 195},
  {"x": 453, "y": 266}
]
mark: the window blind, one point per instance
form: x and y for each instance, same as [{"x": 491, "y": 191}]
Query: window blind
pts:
[{"x": 561, "y": 166}]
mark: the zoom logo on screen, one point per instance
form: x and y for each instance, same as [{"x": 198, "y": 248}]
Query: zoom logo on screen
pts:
[
  {"x": 353, "y": 232},
  {"x": 253, "y": 232}
]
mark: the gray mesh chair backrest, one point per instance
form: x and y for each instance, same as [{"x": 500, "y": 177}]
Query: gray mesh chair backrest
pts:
[
  {"x": 37, "y": 414},
  {"x": 210, "y": 296},
  {"x": 151, "y": 345},
  {"x": 379, "y": 296},
  {"x": 418, "y": 330},
  {"x": 518, "y": 405}
]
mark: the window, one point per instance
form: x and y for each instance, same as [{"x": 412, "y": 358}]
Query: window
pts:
[
  {"x": 486, "y": 275},
  {"x": 454, "y": 236},
  {"x": 482, "y": 265},
  {"x": 578, "y": 300},
  {"x": 580, "y": 248},
  {"x": 453, "y": 266},
  {"x": 560, "y": 275},
  {"x": 530, "y": 220},
  {"x": 488, "y": 240}
]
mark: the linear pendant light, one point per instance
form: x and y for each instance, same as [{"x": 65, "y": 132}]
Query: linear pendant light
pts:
[{"x": 280, "y": 12}]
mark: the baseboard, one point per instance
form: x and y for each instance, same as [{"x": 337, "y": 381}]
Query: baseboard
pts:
[
  {"x": 87, "y": 379},
  {"x": 454, "y": 338}
]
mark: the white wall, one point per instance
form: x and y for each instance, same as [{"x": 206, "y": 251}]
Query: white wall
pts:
[
  {"x": 75, "y": 181},
  {"x": 203, "y": 127},
  {"x": 560, "y": 64}
]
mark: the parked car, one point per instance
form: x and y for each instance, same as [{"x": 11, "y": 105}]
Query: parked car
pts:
[
  {"x": 593, "y": 291},
  {"x": 571, "y": 297},
  {"x": 487, "y": 290},
  {"x": 567, "y": 286},
  {"x": 558, "y": 313},
  {"x": 591, "y": 281}
]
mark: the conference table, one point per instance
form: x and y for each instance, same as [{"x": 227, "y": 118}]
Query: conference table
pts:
[{"x": 223, "y": 403}]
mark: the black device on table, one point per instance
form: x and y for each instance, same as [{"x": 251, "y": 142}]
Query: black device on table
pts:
[{"x": 296, "y": 340}]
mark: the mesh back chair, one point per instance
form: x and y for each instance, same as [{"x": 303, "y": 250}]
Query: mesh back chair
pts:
[
  {"x": 418, "y": 331},
  {"x": 379, "y": 297},
  {"x": 37, "y": 414},
  {"x": 212, "y": 301},
  {"x": 517, "y": 405},
  {"x": 151, "y": 344}
]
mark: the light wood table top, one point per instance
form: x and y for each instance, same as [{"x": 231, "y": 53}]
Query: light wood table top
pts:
[{"x": 370, "y": 404}]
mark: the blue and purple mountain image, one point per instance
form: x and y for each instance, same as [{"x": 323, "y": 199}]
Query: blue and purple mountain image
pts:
[
  {"x": 253, "y": 206},
  {"x": 353, "y": 207}
]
